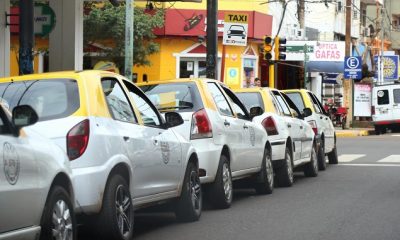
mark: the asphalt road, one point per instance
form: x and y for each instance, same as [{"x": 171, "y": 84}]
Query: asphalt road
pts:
[{"x": 357, "y": 199}]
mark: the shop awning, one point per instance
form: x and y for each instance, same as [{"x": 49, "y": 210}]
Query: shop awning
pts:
[{"x": 326, "y": 67}]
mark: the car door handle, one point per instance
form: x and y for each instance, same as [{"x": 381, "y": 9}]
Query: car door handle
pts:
[
  {"x": 245, "y": 126},
  {"x": 301, "y": 127},
  {"x": 321, "y": 117},
  {"x": 155, "y": 141},
  {"x": 289, "y": 126},
  {"x": 226, "y": 123},
  {"x": 126, "y": 138}
]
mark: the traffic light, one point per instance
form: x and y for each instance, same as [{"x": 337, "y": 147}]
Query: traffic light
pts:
[
  {"x": 268, "y": 47},
  {"x": 280, "y": 49}
]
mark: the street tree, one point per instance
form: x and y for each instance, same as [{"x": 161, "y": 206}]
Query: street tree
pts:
[{"x": 104, "y": 24}]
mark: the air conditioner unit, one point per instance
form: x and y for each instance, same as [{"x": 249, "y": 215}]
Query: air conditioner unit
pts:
[
  {"x": 367, "y": 32},
  {"x": 300, "y": 34},
  {"x": 339, "y": 7}
]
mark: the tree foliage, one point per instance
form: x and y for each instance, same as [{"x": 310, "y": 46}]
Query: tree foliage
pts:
[{"x": 106, "y": 25}]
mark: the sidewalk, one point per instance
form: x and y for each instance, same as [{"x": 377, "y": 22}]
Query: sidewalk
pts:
[{"x": 354, "y": 132}]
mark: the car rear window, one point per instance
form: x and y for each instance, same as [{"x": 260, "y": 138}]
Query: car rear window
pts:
[
  {"x": 251, "y": 100},
  {"x": 297, "y": 100},
  {"x": 383, "y": 97},
  {"x": 396, "y": 95},
  {"x": 51, "y": 99},
  {"x": 180, "y": 97}
]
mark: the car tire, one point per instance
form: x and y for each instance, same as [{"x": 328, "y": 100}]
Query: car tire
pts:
[
  {"x": 284, "y": 175},
  {"x": 311, "y": 168},
  {"x": 321, "y": 157},
  {"x": 116, "y": 217},
  {"x": 265, "y": 180},
  {"x": 332, "y": 156},
  {"x": 58, "y": 207},
  {"x": 190, "y": 203},
  {"x": 221, "y": 191},
  {"x": 377, "y": 130}
]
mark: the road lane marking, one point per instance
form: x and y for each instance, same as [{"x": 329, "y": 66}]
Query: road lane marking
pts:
[
  {"x": 395, "y": 135},
  {"x": 390, "y": 159},
  {"x": 350, "y": 157},
  {"x": 369, "y": 165}
]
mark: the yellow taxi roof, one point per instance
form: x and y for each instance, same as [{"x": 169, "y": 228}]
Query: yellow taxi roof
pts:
[
  {"x": 177, "y": 80},
  {"x": 60, "y": 74}
]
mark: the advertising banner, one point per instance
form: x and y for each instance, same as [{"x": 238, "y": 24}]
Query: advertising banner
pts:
[
  {"x": 390, "y": 67},
  {"x": 362, "y": 100},
  {"x": 316, "y": 51}
]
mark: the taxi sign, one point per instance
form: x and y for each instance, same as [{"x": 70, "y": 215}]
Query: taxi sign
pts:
[
  {"x": 235, "y": 29},
  {"x": 353, "y": 68}
]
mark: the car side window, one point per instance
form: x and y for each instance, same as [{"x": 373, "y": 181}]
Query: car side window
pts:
[
  {"x": 220, "y": 100},
  {"x": 396, "y": 95},
  {"x": 383, "y": 97},
  {"x": 5, "y": 126},
  {"x": 237, "y": 105},
  {"x": 149, "y": 115},
  {"x": 291, "y": 104},
  {"x": 117, "y": 101},
  {"x": 282, "y": 104},
  {"x": 315, "y": 103}
]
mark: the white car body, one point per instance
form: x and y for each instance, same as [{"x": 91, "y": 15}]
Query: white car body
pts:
[
  {"x": 386, "y": 107},
  {"x": 30, "y": 165}
]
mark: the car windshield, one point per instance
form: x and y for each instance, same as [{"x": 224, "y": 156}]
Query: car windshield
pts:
[
  {"x": 51, "y": 99},
  {"x": 251, "y": 100},
  {"x": 236, "y": 28},
  {"x": 180, "y": 97}
]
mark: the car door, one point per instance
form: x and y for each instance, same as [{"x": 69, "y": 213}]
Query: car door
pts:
[
  {"x": 253, "y": 146},
  {"x": 383, "y": 109},
  {"x": 233, "y": 129},
  {"x": 306, "y": 131},
  {"x": 20, "y": 198},
  {"x": 294, "y": 126},
  {"x": 396, "y": 103},
  {"x": 324, "y": 121},
  {"x": 167, "y": 145}
]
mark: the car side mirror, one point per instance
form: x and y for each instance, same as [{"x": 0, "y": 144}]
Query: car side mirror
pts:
[
  {"x": 307, "y": 112},
  {"x": 173, "y": 119},
  {"x": 255, "y": 111},
  {"x": 22, "y": 116}
]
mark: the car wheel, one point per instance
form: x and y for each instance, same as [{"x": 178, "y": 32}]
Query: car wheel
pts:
[
  {"x": 332, "y": 156},
  {"x": 189, "y": 205},
  {"x": 116, "y": 217},
  {"x": 311, "y": 168},
  {"x": 221, "y": 192},
  {"x": 284, "y": 176},
  {"x": 265, "y": 179},
  {"x": 321, "y": 157},
  {"x": 58, "y": 220},
  {"x": 377, "y": 130}
]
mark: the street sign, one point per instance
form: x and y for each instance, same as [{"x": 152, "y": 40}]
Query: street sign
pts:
[
  {"x": 390, "y": 67},
  {"x": 353, "y": 67},
  {"x": 299, "y": 49},
  {"x": 235, "y": 29},
  {"x": 44, "y": 19}
]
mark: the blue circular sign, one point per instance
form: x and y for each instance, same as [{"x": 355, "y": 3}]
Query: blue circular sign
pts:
[
  {"x": 353, "y": 62},
  {"x": 232, "y": 73}
]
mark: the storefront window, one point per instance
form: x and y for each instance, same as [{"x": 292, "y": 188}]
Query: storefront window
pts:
[
  {"x": 193, "y": 67},
  {"x": 249, "y": 71}
]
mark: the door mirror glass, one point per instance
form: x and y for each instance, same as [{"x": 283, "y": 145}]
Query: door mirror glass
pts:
[
  {"x": 173, "y": 119},
  {"x": 23, "y": 116},
  {"x": 307, "y": 112},
  {"x": 255, "y": 111}
]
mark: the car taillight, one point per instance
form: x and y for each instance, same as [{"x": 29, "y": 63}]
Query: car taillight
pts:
[
  {"x": 270, "y": 126},
  {"x": 372, "y": 110},
  {"x": 78, "y": 139},
  {"x": 201, "y": 126},
  {"x": 314, "y": 127}
]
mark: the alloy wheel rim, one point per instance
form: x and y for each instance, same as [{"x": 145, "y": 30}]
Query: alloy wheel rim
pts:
[
  {"x": 62, "y": 221},
  {"x": 195, "y": 190},
  {"x": 226, "y": 177},
  {"x": 123, "y": 210},
  {"x": 270, "y": 176},
  {"x": 289, "y": 167}
]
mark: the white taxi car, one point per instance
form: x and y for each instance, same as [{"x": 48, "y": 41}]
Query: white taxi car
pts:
[
  {"x": 229, "y": 145},
  {"x": 124, "y": 154},
  {"x": 36, "y": 194},
  {"x": 292, "y": 139}
]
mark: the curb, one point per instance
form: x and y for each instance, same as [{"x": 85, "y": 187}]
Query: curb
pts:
[{"x": 354, "y": 133}]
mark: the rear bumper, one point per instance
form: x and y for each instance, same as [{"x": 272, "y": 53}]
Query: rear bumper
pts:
[
  {"x": 209, "y": 155},
  {"x": 387, "y": 122}
]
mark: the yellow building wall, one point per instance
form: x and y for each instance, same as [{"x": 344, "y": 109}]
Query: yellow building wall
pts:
[{"x": 40, "y": 44}]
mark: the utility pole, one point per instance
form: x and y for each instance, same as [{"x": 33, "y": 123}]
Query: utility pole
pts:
[
  {"x": 381, "y": 66},
  {"x": 212, "y": 39},
  {"x": 300, "y": 13},
  {"x": 128, "y": 38},
  {"x": 348, "y": 83},
  {"x": 26, "y": 37}
]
